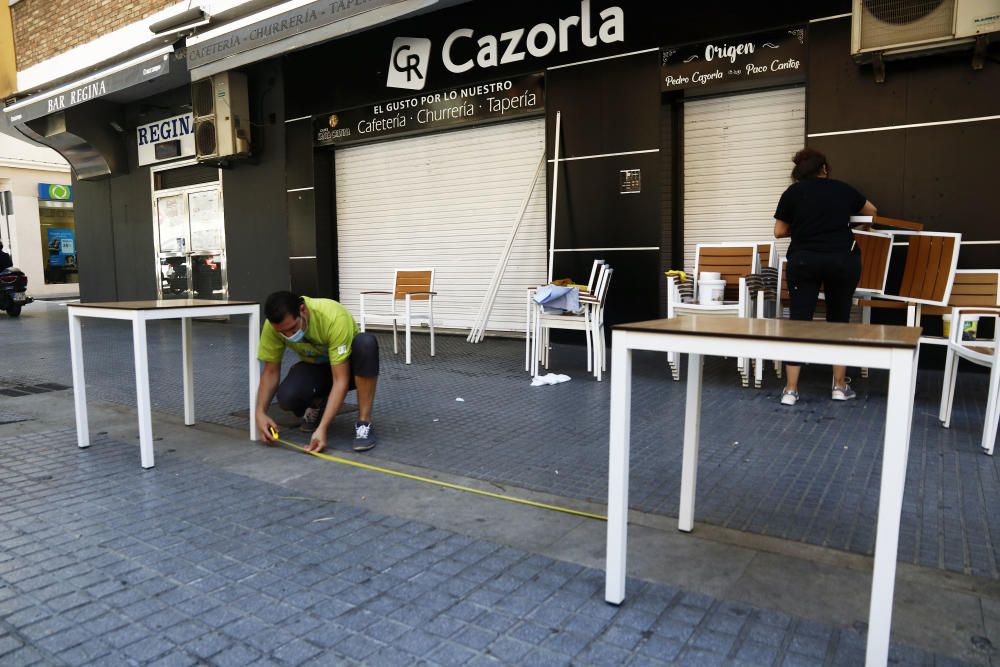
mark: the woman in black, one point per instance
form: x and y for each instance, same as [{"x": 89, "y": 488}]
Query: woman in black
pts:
[{"x": 815, "y": 211}]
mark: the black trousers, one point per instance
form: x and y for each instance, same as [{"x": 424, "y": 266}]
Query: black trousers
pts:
[
  {"x": 305, "y": 382},
  {"x": 835, "y": 273}
]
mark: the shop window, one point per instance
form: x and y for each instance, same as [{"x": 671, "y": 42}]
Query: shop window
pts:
[{"x": 58, "y": 232}]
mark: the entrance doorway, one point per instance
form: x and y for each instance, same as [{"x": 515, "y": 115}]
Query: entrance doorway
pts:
[{"x": 190, "y": 237}]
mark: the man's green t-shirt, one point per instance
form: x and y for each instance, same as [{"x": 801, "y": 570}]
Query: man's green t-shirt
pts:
[{"x": 329, "y": 333}]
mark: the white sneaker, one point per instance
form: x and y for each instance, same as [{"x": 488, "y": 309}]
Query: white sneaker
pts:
[
  {"x": 844, "y": 393},
  {"x": 789, "y": 397}
]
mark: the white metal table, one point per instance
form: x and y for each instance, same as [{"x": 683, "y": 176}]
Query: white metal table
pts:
[
  {"x": 140, "y": 312},
  {"x": 874, "y": 346}
]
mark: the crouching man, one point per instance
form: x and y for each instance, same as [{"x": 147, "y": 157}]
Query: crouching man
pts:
[{"x": 334, "y": 358}]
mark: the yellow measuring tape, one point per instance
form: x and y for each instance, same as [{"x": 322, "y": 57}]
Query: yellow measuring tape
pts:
[{"x": 447, "y": 485}]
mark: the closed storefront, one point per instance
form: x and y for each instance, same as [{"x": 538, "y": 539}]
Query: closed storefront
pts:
[
  {"x": 446, "y": 201},
  {"x": 737, "y": 160}
]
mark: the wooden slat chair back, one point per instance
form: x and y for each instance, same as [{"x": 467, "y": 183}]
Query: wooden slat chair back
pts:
[
  {"x": 971, "y": 288},
  {"x": 930, "y": 266},
  {"x": 875, "y": 250},
  {"x": 416, "y": 282},
  {"x": 928, "y": 273},
  {"x": 731, "y": 260}
]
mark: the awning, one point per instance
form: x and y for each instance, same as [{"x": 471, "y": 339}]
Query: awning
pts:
[
  {"x": 290, "y": 26},
  {"x": 124, "y": 75}
]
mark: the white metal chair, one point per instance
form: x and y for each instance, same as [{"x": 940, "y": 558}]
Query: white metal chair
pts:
[
  {"x": 733, "y": 261},
  {"x": 590, "y": 321},
  {"x": 530, "y": 309},
  {"x": 982, "y": 352},
  {"x": 409, "y": 286}
]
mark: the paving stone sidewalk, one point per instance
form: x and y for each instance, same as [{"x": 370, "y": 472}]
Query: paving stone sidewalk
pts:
[
  {"x": 189, "y": 565},
  {"x": 810, "y": 473}
]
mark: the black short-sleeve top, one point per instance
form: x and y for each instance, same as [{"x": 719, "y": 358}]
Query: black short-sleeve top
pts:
[{"x": 819, "y": 211}]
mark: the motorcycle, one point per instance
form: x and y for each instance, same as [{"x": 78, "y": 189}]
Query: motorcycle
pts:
[{"x": 13, "y": 291}]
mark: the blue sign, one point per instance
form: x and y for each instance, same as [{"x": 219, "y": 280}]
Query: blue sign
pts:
[
  {"x": 55, "y": 192},
  {"x": 62, "y": 247}
]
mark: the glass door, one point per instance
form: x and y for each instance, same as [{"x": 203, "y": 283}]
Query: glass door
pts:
[{"x": 191, "y": 243}]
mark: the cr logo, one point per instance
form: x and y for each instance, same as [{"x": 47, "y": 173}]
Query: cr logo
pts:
[{"x": 408, "y": 61}]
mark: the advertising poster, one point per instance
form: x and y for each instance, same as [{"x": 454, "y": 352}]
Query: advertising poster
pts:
[{"x": 62, "y": 248}]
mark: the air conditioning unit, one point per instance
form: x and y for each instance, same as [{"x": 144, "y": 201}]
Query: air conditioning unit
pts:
[
  {"x": 900, "y": 27},
  {"x": 220, "y": 108}
]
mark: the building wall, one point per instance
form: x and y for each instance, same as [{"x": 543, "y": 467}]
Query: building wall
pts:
[
  {"x": 45, "y": 28},
  {"x": 941, "y": 175},
  {"x": 115, "y": 216},
  {"x": 22, "y": 167}
]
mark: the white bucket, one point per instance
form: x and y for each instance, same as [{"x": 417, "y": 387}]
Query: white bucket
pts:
[
  {"x": 709, "y": 275},
  {"x": 711, "y": 292}
]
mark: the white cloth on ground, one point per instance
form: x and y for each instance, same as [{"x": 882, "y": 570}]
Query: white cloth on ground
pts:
[{"x": 548, "y": 378}]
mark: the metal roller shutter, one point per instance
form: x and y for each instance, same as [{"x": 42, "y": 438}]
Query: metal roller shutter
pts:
[
  {"x": 737, "y": 160},
  {"x": 445, "y": 201}
]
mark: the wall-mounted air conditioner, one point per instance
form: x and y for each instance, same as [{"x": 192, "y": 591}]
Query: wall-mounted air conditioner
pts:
[
  {"x": 221, "y": 116},
  {"x": 907, "y": 27}
]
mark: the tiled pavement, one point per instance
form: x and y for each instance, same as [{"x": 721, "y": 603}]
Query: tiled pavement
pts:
[
  {"x": 188, "y": 564},
  {"x": 810, "y": 473}
]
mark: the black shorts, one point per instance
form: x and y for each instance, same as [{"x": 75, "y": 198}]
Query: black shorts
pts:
[{"x": 306, "y": 381}]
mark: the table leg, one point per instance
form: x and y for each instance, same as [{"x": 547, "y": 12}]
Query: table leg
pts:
[
  {"x": 188, "y": 371},
  {"x": 890, "y": 504},
  {"x": 692, "y": 429},
  {"x": 142, "y": 391},
  {"x": 79, "y": 385},
  {"x": 254, "y": 379},
  {"x": 621, "y": 408}
]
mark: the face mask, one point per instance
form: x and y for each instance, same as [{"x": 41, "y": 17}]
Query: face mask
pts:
[
  {"x": 298, "y": 335},
  {"x": 295, "y": 337}
]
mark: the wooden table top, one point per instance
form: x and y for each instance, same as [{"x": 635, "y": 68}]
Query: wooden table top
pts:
[
  {"x": 868, "y": 335},
  {"x": 154, "y": 304}
]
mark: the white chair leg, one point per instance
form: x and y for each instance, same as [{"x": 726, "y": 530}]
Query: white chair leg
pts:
[
  {"x": 777, "y": 369},
  {"x": 536, "y": 344},
  {"x": 602, "y": 353},
  {"x": 590, "y": 342},
  {"x": 395, "y": 344},
  {"x": 866, "y": 318},
  {"x": 409, "y": 325},
  {"x": 992, "y": 411},
  {"x": 951, "y": 380},
  {"x": 430, "y": 322},
  {"x": 527, "y": 333},
  {"x": 546, "y": 346},
  {"x": 758, "y": 370},
  {"x": 947, "y": 387}
]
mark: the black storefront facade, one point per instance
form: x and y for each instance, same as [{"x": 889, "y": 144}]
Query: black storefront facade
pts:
[{"x": 921, "y": 144}]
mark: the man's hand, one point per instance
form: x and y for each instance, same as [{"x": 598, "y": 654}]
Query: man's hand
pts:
[
  {"x": 264, "y": 424},
  {"x": 318, "y": 442}
]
